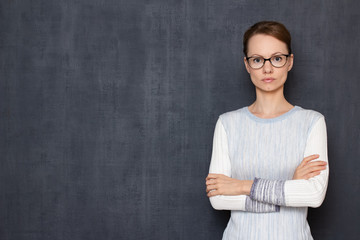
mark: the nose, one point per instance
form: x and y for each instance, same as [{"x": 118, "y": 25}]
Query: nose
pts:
[{"x": 267, "y": 68}]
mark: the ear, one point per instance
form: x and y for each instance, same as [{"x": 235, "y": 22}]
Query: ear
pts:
[
  {"x": 291, "y": 62},
  {"x": 246, "y": 65}
]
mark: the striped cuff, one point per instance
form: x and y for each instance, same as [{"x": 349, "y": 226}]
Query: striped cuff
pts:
[
  {"x": 260, "y": 207},
  {"x": 268, "y": 191}
]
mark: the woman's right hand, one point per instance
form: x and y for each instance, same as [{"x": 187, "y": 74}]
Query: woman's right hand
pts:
[{"x": 308, "y": 169}]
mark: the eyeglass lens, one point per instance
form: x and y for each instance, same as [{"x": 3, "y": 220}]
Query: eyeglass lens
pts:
[{"x": 276, "y": 61}]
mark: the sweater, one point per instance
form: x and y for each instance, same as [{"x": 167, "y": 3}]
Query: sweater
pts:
[{"x": 247, "y": 147}]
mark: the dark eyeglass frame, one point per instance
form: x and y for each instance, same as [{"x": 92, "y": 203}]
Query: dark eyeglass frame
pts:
[{"x": 269, "y": 59}]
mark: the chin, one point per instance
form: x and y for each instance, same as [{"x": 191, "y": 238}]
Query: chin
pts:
[{"x": 269, "y": 89}]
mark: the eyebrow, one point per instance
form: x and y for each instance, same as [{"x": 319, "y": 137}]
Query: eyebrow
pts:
[{"x": 274, "y": 54}]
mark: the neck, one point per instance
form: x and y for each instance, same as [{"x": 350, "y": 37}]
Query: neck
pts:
[{"x": 270, "y": 104}]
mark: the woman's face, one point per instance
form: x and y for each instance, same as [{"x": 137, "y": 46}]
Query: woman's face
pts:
[{"x": 268, "y": 78}]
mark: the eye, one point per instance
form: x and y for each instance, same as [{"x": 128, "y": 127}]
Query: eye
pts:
[
  {"x": 257, "y": 60},
  {"x": 277, "y": 58}
]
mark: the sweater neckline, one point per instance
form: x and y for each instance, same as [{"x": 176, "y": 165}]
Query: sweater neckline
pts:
[{"x": 268, "y": 120}]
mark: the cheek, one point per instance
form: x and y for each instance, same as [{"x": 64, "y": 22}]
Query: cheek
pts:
[
  {"x": 284, "y": 75},
  {"x": 255, "y": 74},
  {"x": 255, "y": 77}
]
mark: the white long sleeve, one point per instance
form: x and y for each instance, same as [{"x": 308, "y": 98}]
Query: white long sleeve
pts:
[{"x": 301, "y": 193}]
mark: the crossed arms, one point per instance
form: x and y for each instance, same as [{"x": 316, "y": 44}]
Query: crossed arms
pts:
[{"x": 306, "y": 189}]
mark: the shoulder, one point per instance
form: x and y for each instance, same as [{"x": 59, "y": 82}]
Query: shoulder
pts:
[
  {"x": 309, "y": 117},
  {"x": 309, "y": 114},
  {"x": 232, "y": 115}
]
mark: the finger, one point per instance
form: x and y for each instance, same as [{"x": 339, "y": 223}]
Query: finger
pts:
[
  {"x": 316, "y": 169},
  {"x": 212, "y": 193},
  {"x": 318, "y": 162},
  {"x": 213, "y": 175},
  {"x": 208, "y": 177},
  {"x": 315, "y": 164},
  {"x": 218, "y": 177},
  {"x": 211, "y": 181},
  {"x": 212, "y": 187},
  {"x": 310, "y": 169},
  {"x": 306, "y": 160},
  {"x": 309, "y": 158}
]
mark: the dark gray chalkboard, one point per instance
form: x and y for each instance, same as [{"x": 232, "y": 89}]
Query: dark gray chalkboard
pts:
[{"x": 108, "y": 107}]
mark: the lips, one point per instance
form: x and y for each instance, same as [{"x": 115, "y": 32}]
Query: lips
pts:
[{"x": 268, "y": 80}]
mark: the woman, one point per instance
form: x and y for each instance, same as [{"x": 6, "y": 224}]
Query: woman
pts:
[{"x": 269, "y": 160}]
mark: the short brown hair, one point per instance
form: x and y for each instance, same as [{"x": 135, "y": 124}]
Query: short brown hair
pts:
[{"x": 271, "y": 28}]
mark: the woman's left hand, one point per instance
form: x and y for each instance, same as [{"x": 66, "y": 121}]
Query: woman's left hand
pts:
[{"x": 219, "y": 184}]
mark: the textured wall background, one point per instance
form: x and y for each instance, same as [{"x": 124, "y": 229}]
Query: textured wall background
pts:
[{"x": 107, "y": 112}]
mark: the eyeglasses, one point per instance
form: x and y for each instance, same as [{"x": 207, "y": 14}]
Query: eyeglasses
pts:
[{"x": 258, "y": 62}]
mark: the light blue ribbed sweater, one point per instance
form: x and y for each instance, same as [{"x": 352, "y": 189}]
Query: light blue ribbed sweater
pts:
[{"x": 247, "y": 147}]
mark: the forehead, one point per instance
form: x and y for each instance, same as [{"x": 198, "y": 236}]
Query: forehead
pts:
[{"x": 265, "y": 45}]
